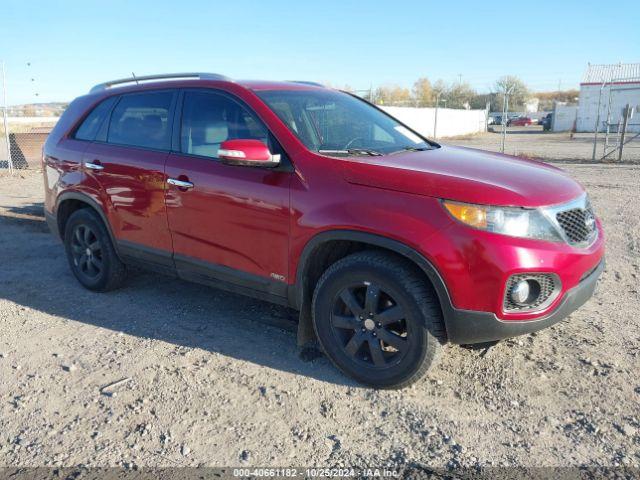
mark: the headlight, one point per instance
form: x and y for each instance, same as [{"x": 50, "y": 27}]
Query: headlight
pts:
[{"x": 513, "y": 221}]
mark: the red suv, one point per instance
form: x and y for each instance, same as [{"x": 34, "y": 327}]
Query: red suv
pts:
[
  {"x": 387, "y": 243},
  {"x": 519, "y": 122}
]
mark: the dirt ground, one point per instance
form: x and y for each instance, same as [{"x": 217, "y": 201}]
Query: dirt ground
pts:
[
  {"x": 167, "y": 373},
  {"x": 531, "y": 141}
]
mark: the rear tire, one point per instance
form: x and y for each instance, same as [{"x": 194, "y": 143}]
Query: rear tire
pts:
[
  {"x": 377, "y": 319},
  {"x": 90, "y": 252}
]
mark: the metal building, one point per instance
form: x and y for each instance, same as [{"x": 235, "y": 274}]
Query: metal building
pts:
[{"x": 605, "y": 91}]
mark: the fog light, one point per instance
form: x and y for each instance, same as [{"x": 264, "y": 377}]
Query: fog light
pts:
[
  {"x": 530, "y": 291},
  {"x": 520, "y": 292}
]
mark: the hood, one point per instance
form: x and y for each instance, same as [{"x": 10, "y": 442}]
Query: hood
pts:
[{"x": 465, "y": 175}]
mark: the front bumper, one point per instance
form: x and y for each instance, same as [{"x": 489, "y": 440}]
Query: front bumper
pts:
[{"x": 467, "y": 326}]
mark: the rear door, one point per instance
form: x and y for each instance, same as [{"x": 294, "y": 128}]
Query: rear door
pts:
[
  {"x": 233, "y": 223},
  {"x": 127, "y": 160}
]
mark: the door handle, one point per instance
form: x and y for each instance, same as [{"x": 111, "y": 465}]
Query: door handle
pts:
[
  {"x": 179, "y": 183},
  {"x": 93, "y": 165}
]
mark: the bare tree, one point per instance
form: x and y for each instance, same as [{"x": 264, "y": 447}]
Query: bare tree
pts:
[
  {"x": 460, "y": 95},
  {"x": 392, "y": 95},
  {"x": 454, "y": 95},
  {"x": 516, "y": 88},
  {"x": 440, "y": 90},
  {"x": 423, "y": 93}
]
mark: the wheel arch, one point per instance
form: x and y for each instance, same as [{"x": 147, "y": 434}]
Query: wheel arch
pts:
[
  {"x": 69, "y": 202},
  {"x": 349, "y": 241}
]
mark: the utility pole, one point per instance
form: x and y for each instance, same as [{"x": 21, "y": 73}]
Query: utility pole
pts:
[
  {"x": 625, "y": 121},
  {"x": 486, "y": 115},
  {"x": 5, "y": 119},
  {"x": 595, "y": 134},
  {"x": 435, "y": 117},
  {"x": 505, "y": 109}
]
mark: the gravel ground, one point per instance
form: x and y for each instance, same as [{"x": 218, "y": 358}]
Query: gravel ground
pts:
[
  {"x": 533, "y": 142},
  {"x": 167, "y": 373}
]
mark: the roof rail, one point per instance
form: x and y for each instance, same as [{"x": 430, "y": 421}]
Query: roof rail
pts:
[
  {"x": 161, "y": 76},
  {"x": 305, "y": 82}
]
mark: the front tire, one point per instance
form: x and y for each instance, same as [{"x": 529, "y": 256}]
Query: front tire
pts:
[
  {"x": 90, "y": 253},
  {"x": 377, "y": 319}
]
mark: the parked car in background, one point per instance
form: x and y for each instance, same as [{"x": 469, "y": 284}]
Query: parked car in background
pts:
[
  {"x": 387, "y": 243},
  {"x": 546, "y": 122},
  {"x": 519, "y": 122}
]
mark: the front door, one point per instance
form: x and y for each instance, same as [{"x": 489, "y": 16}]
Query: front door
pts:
[{"x": 230, "y": 223}]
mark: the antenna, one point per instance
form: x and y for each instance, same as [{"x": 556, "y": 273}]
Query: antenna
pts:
[{"x": 134, "y": 77}]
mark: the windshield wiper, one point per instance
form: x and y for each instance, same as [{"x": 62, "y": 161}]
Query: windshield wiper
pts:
[
  {"x": 353, "y": 151},
  {"x": 411, "y": 149}
]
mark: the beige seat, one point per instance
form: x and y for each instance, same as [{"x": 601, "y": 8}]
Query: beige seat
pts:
[{"x": 205, "y": 140}]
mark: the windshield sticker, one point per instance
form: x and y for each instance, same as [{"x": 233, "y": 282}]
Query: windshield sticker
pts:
[{"x": 408, "y": 133}]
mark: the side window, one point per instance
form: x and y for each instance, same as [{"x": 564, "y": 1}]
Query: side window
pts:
[
  {"x": 208, "y": 119},
  {"x": 89, "y": 127},
  {"x": 142, "y": 120}
]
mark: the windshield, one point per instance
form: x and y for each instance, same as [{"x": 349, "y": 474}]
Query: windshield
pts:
[{"x": 335, "y": 123}]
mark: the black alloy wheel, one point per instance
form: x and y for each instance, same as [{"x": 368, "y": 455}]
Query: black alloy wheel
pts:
[
  {"x": 86, "y": 250},
  {"x": 90, "y": 252},
  {"x": 370, "y": 325},
  {"x": 378, "y": 319}
]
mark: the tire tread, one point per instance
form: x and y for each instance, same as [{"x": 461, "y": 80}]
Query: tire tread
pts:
[
  {"x": 117, "y": 270},
  {"x": 414, "y": 284}
]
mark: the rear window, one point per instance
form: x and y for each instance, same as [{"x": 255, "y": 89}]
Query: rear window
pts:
[
  {"x": 142, "y": 120},
  {"x": 89, "y": 127}
]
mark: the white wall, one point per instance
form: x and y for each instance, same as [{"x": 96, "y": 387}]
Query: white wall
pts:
[
  {"x": 451, "y": 122},
  {"x": 564, "y": 117},
  {"x": 620, "y": 96},
  {"x": 23, "y": 120}
]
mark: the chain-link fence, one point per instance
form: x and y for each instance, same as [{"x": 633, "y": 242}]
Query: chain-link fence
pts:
[
  {"x": 4, "y": 145},
  {"x": 22, "y": 138},
  {"x": 617, "y": 127},
  {"x": 23, "y": 130}
]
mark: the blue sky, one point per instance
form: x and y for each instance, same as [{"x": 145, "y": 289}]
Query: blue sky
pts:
[{"x": 71, "y": 45}]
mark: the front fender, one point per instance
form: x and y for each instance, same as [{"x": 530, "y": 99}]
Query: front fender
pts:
[{"x": 301, "y": 295}]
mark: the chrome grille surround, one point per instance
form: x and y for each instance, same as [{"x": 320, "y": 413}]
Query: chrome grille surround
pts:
[
  {"x": 574, "y": 221},
  {"x": 550, "y": 287}
]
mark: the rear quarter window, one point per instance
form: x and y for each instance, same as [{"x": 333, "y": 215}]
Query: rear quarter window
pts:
[{"x": 90, "y": 125}]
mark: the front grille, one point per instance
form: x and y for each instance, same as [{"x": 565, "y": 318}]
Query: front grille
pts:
[
  {"x": 578, "y": 224},
  {"x": 549, "y": 287}
]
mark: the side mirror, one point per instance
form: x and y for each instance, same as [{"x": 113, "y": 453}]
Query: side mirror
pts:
[{"x": 247, "y": 152}]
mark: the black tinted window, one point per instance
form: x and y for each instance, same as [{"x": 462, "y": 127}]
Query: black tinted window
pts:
[
  {"x": 89, "y": 127},
  {"x": 142, "y": 120},
  {"x": 208, "y": 119}
]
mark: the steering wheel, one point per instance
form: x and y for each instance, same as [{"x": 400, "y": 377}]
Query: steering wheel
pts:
[{"x": 351, "y": 142}]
